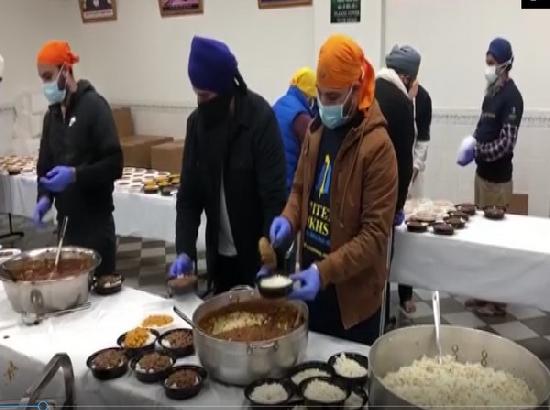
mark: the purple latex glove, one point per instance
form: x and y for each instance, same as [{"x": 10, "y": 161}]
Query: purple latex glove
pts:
[
  {"x": 58, "y": 179},
  {"x": 40, "y": 209},
  {"x": 280, "y": 231},
  {"x": 466, "y": 151},
  {"x": 264, "y": 270},
  {"x": 399, "y": 218},
  {"x": 310, "y": 284},
  {"x": 183, "y": 265}
]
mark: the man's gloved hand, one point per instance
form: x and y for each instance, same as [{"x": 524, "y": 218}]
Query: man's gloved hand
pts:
[
  {"x": 183, "y": 265},
  {"x": 59, "y": 178},
  {"x": 399, "y": 218},
  {"x": 40, "y": 209},
  {"x": 280, "y": 231},
  {"x": 310, "y": 284},
  {"x": 466, "y": 151}
]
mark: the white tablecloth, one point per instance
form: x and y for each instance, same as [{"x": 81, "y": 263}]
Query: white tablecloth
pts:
[
  {"x": 502, "y": 261},
  {"x": 136, "y": 214},
  {"x": 83, "y": 333}
]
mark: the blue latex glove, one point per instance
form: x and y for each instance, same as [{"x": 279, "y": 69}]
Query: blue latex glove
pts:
[
  {"x": 466, "y": 151},
  {"x": 310, "y": 284},
  {"x": 58, "y": 179},
  {"x": 183, "y": 265},
  {"x": 264, "y": 270},
  {"x": 40, "y": 209},
  {"x": 280, "y": 231},
  {"x": 399, "y": 218}
]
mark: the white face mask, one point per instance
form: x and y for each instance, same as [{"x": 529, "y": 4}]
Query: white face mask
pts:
[{"x": 491, "y": 74}]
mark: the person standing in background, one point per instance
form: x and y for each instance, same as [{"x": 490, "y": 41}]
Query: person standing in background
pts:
[
  {"x": 294, "y": 111},
  {"x": 233, "y": 168},
  {"x": 493, "y": 142},
  {"x": 422, "y": 106},
  {"x": 343, "y": 199},
  {"x": 393, "y": 85},
  {"x": 80, "y": 156}
]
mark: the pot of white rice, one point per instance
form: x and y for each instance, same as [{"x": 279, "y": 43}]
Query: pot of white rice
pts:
[{"x": 479, "y": 369}]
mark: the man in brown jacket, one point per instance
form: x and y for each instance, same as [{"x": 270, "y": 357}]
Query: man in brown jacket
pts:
[{"x": 343, "y": 199}]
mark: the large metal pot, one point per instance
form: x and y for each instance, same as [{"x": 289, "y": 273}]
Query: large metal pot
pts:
[
  {"x": 401, "y": 347},
  {"x": 240, "y": 363},
  {"x": 48, "y": 296}
]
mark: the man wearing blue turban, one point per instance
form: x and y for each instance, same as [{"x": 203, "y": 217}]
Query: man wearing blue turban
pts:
[{"x": 233, "y": 169}]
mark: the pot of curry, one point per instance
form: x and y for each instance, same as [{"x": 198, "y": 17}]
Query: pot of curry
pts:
[
  {"x": 241, "y": 337},
  {"x": 34, "y": 285}
]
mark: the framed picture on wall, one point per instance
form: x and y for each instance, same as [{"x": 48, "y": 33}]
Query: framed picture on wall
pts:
[
  {"x": 169, "y": 8},
  {"x": 97, "y": 10},
  {"x": 272, "y": 4}
]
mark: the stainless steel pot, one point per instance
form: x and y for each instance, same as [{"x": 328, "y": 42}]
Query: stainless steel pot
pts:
[
  {"x": 401, "y": 347},
  {"x": 48, "y": 296},
  {"x": 240, "y": 363}
]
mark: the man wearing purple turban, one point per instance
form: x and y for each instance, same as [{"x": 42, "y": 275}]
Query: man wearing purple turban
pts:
[{"x": 233, "y": 169}]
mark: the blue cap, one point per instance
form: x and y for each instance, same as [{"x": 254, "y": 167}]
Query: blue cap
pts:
[
  {"x": 212, "y": 66},
  {"x": 501, "y": 50}
]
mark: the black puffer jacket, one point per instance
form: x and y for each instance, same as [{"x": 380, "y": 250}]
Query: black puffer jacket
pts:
[{"x": 87, "y": 140}]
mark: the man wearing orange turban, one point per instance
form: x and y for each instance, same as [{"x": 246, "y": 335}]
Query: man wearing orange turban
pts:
[
  {"x": 343, "y": 199},
  {"x": 79, "y": 158}
]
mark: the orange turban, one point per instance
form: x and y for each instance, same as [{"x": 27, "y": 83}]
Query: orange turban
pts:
[
  {"x": 56, "y": 53},
  {"x": 341, "y": 63}
]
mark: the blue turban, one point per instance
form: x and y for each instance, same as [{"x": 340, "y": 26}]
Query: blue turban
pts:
[
  {"x": 212, "y": 66},
  {"x": 501, "y": 50}
]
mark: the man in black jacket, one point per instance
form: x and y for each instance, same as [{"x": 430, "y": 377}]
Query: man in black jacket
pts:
[
  {"x": 233, "y": 169},
  {"x": 80, "y": 156},
  {"x": 393, "y": 84}
]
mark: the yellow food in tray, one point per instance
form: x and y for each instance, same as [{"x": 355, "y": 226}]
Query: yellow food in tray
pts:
[
  {"x": 137, "y": 337},
  {"x": 155, "y": 321}
]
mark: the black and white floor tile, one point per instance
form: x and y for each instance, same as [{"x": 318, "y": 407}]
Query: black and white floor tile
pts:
[{"x": 144, "y": 264}]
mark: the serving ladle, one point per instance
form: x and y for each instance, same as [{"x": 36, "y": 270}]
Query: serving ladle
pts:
[
  {"x": 437, "y": 323},
  {"x": 59, "y": 245}
]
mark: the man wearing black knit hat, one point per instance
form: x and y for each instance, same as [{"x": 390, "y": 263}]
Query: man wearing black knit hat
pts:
[
  {"x": 233, "y": 169},
  {"x": 492, "y": 144}
]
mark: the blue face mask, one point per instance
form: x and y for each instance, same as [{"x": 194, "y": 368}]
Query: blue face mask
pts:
[
  {"x": 52, "y": 92},
  {"x": 333, "y": 116}
]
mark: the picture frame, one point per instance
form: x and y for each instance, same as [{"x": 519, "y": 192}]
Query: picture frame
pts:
[
  {"x": 94, "y": 11},
  {"x": 172, "y": 8},
  {"x": 275, "y": 4}
]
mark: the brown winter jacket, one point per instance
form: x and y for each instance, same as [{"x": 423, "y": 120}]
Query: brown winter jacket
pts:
[{"x": 362, "y": 207}]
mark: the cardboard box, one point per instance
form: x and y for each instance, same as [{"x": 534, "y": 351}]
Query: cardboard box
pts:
[
  {"x": 519, "y": 205},
  {"x": 167, "y": 157},
  {"x": 136, "y": 149},
  {"x": 124, "y": 122}
]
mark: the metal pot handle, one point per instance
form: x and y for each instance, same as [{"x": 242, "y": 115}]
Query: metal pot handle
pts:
[{"x": 251, "y": 347}]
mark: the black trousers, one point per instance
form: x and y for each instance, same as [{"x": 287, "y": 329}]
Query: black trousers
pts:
[
  {"x": 324, "y": 317},
  {"x": 95, "y": 232},
  {"x": 229, "y": 273}
]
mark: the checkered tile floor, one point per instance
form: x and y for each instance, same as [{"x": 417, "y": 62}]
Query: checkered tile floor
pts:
[{"x": 144, "y": 264}]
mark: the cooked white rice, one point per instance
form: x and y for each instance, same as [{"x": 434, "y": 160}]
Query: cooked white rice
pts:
[
  {"x": 275, "y": 282},
  {"x": 324, "y": 392},
  {"x": 308, "y": 374},
  {"x": 427, "y": 383},
  {"x": 347, "y": 367},
  {"x": 269, "y": 393}
]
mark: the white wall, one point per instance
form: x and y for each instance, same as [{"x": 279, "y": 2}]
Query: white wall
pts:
[{"x": 453, "y": 36}]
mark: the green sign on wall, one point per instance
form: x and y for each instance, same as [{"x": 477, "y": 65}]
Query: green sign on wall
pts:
[{"x": 345, "y": 11}]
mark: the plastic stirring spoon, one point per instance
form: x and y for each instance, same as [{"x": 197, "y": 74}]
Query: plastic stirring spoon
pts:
[{"x": 437, "y": 322}]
